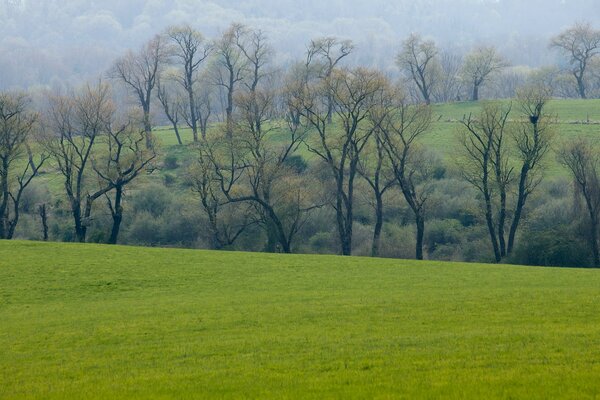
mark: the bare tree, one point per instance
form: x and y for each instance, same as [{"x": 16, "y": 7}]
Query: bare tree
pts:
[
  {"x": 533, "y": 137},
  {"x": 486, "y": 167},
  {"x": 581, "y": 158},
  {"x": 189, "y": 48},
  {"x": 252, "y": 169},
  {"x": 375, "y": 168},
  {"x": 490, "y": 169},
  {"x": 418, "y": 61},
  {"x": 139, "y": 72},
  {"x": 173, "y": 104},
  {"x": 324, "y": 54},
  {"x": 449, "y": 85},
  {"x": 353, "y": 93},
  {"x": 123, "y": 161},
  {"x": 479, "y": 66},
  {"x": 76, "y": 122},
  {"x": 229, "y": 69},
  {"x": 225, "y": 222},
  {"x": 17, "y": 164},
  {"x": 581, "y": 43},
  {"x": 402, "y": 125}
]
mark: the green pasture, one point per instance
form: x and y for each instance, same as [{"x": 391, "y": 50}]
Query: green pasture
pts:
[{"x": 99, "y": 322}]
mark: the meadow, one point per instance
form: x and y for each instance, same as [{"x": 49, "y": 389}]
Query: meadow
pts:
[
  {"x": 99, "y": 322},
  {"x": 574, "y": 118}
]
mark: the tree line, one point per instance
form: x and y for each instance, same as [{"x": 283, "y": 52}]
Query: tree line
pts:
[{"x": 278, "y": 153}]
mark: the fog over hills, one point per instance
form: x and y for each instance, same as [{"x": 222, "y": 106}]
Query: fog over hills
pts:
[{"x": 49, "y": 41}]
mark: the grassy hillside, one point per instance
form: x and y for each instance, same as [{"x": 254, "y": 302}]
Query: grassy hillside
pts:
[
  {"x": 576, "y": 118},
  {"x": 83, "y": 321}
]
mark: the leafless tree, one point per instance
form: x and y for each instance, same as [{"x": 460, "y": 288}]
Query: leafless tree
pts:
[
  {"x": 75, "y": 124},
  {"x": 402, "y": 125},
  {"x": 533, "y": 137},
  {"x": 18, "y": 165},
  {"x": 230, "y": 67},
  {"x": 252, "y": 169},
  {"x": 418, "y": 61},
  {"x": 479, "y": 66},
  {"x": 125, "y": 158},
  {"x": 323, "y": 56},
  {"x": 173, "y": 104},
  {"x": 581, "y": 157},
  {"x": 375, "y": 168},
  {"x": 490, "y": 169},
  {"x": 190, "y": 51},
  {"x": 449, "y": 85},
  {"x": 139, "y": 72},
  {"x": 353, "y": 93},
  {"x": 225, "y": 222},
  {"x": 487, "y": 168},
  {"x": 581, "y": 43}
]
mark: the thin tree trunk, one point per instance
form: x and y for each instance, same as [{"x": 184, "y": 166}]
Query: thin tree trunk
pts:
[
  {"x": 117, "y": 216},
  {"x": 378, "y": 224},
  {"x": 420, "y": 234},
  {"x": 475, "y": 95},
  {"x": 44, "y": 217}
]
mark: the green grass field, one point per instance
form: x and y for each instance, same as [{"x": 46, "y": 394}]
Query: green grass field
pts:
[{"x": 85, "y": 321}]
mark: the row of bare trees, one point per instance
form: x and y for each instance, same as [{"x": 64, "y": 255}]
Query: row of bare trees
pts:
[
  {"x": 196, "y": 80},
  {"x": 440, "y": 76},
  {"x": 285, "y": 144}
]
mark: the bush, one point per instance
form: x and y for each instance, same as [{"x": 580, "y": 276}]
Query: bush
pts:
[
  {"x": 558, "y": 247},
  {"x": 170, "y": 162}
]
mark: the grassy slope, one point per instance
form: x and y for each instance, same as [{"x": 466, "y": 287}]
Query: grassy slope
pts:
[
  {"x": 443, "y": 135},
  {"x": 83, "y": 321}
]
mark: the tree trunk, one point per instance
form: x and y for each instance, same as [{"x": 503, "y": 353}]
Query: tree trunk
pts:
[
  {"x": 489, "y": 218},
  {"x": 44, "y": 217},
  {"x": 475, "y": 95},
  {"x": 378, "y": 224},
  {"x": 117, "y": 216},
  {"x": 193, "y": 116},
  {"x": 501, "y": 223},
  {"x": 581, "y": 86},
  {"x": 420, "y": 220},
  {"x": 80, "y": 229},
  {"x": 4, "y": 203},
  {"x": 148, "y": 126},
  {"x": 521, "y": 198}
]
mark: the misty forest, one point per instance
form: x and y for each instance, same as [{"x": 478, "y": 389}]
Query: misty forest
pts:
[{"x": 462, "y": 131}]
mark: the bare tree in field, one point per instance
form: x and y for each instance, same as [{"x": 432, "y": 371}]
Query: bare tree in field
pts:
[
  {"x": 479, "y": 66},
  {"x": 324, "y": 55},
  {"x": 402, "y": 125},
  {"x": 188, "y": 47},
  {"x": 375, "y": 168},
  {"x": 490, "y": 169},
  {"x": 487, "y": 168},
  {"x": 418, "y": 61},
  {"x": 580, "y": 43},
  {"x": 75, "y": 123},
  {"x": 449, "y": 85},
  {"x": 533, "y": 136},
  {"x": 18, "y": 165},
  {"x": 125, "y": 158},
  {"x": 172, "y": 102},
  {"x": 252, "y": 169},
  {"x": 229, "y": 69},
  {"x": 582, "y": 158},
  {"x": 226, "y": 222},
  {"x": 353, "y": 93},
  {"x": 139, "y": 72}
]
